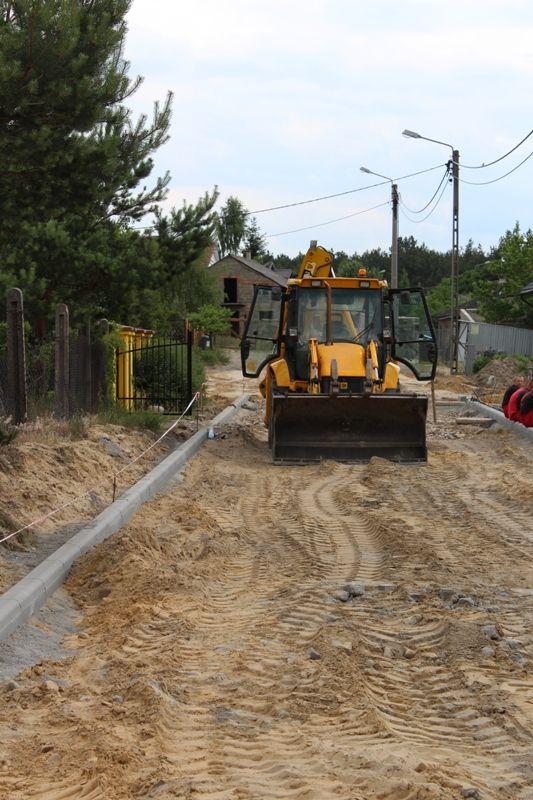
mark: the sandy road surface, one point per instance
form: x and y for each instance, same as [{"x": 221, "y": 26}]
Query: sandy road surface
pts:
[{"x": 215, "y": 657}]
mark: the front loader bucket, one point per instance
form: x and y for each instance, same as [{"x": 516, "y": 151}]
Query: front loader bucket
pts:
[{"x": 307, "y": 428}]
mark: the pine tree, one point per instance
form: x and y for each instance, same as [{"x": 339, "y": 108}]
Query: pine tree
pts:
[
  {"x": 74, "y": 164},
  {"x": 254, "y": 241},
  {"x": 183, "y": 238}
]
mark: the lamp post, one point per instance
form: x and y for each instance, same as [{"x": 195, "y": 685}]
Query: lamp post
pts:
[
  {"x": 455, "y": 247},
  {"x": 394, "y": 248}
]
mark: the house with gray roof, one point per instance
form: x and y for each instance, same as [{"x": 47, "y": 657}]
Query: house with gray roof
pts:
[{"x": 237, "y": 277}]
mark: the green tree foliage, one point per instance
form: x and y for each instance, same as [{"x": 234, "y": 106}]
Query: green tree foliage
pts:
[
  {"x": 439, "y": 296},
  {"x": 183, "y": 239},
  {"x": 504, "y": 277},
  {"x": 76, "y": 172},
  {"x": 74, "y": 162},
  {"x": 231, "y": 226},
  {"x": 282, "y": 261},
  {"x": 211, "y": 319},
  {"x": 254, "y": 241}
]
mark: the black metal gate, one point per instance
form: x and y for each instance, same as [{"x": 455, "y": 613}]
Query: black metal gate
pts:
[{"x": 156, "y": 374}]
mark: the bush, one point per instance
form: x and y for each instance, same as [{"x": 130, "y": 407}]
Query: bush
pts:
[
  {"x": 116, "y": 415},
  {"x": 213, "y": 357},
  {"x": 211, "y": 319},
  {"x": 481, "y": 361},
  {"x": 523, "y": 363}
]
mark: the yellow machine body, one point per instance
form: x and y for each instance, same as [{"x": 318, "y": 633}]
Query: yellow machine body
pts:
[{"x": 332, "y": 385}]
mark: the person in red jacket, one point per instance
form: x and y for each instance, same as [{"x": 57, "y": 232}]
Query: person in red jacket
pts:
[
  {"x": 513, "y": 407},
  {"x": 509, "y": 392},
  {"x": 525, "y": 415}
]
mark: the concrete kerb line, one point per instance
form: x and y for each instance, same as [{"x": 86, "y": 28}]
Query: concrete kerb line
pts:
[
  {"x": 23, "y": 599},
  {"x": 501, "y": 419}
]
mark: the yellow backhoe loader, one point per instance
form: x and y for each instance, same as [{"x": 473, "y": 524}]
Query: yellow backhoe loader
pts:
[{"x": 331, "y": 348}]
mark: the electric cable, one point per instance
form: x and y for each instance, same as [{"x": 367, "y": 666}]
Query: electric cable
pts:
[
  {"x": 329, "y": 222},
  {"x": 432, "y": 210},
  {"x": 495, "y": 180},
  {"x": 342, "y": 194},
  {"x": 420, "y": 210},
  {"x": 490, "y": 163}
]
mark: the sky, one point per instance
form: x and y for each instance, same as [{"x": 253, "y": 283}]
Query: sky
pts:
[{"x": 281, "y": 101}]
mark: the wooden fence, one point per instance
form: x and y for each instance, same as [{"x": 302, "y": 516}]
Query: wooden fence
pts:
[{"x": 64, "y": 375}]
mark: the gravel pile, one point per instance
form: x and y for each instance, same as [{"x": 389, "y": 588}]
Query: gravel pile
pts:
[{"x": 497, "y": 375}]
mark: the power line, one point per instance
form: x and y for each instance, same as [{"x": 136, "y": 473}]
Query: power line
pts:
[
  {"x": 329, "y": 222},
  {"x": 342, "y": 194},
  {"x": 420, "y": 210},
  {"x": 495, "y": 180},
  {"x": 490, "y": 163},
  {"x": 432, "y": 210}
]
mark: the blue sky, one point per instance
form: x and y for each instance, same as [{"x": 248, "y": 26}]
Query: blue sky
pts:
[{"x": 282, "y": 101}]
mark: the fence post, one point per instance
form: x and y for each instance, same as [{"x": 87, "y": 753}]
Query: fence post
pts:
[
  {"x": 189, "y": 365},
  {"x": 100, "y": 388},
  {"x": 62, "y": 362},
  {"x": 16, "y": 358},
  {"x": 84, "y": 353}
]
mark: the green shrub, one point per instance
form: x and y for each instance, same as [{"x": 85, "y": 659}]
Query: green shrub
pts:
[
  {"x": 213, "y": 357},
  {"x": 211, "y": 319},
  {"x": 116, "y": 415},
  {"x": 523, "y": 363},
  {"x": 480, "y": 362}
]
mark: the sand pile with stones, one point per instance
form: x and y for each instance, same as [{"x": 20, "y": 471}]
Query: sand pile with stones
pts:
[{"x": 498, "y": 374}]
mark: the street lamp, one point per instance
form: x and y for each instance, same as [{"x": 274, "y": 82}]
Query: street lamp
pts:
[
  {"x": 455, "y": 246},
  {"x": 394, "y": 249}
]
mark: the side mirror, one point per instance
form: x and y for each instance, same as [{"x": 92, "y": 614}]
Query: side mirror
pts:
[
  {"x": 432, "y": 352},
  {"x": 405, "y": 298},
  {"x": 276, "y": 293},
  {"x": 245, "y": 348}
]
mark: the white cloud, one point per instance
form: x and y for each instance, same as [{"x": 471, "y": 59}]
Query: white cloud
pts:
[{"x": 282, "y": 100}]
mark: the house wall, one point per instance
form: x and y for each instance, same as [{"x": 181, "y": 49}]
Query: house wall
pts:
[{"x": 247, "y": 280}]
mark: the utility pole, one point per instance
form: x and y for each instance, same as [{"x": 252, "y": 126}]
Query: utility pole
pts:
[
  {"x": 394, "y": 252},
  {"x": 454, "y": 309},
  {"x": 394, "y": 248},
  {"x": 455, "y": 320}
]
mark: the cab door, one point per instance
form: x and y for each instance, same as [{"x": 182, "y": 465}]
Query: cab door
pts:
[
  {"x": 261, "y": 340},
  {"x": 413, "y": 337}
]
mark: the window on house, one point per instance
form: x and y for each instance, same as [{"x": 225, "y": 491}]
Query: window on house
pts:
[{"x": 230, "y": 290}]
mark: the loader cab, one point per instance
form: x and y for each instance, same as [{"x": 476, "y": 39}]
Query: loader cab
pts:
[
  {"x": 397, "y": 320},
  {"x": 413, "y": 340},
  {"x": 261, "y": 340},
  {"x": 356, "y": 315}
]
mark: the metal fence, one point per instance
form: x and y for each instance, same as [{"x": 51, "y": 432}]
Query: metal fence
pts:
[
  {"x": 483, "y": 337},
  {"x": 156, "y": 374},
  {"x": 78, "y": 370}
]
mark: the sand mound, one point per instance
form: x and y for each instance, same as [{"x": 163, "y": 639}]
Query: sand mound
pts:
[
  {"x": 40, "y": 471},
  {"x": 498, "y": 374}
]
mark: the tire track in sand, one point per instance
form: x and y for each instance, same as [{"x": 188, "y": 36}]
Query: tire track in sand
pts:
[{"x": 238, "y": 735}]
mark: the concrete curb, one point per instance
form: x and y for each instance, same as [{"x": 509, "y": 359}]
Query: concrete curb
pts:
[
  {"x": 498, "y": 416},
  {"x": 23, "y": 599}
]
